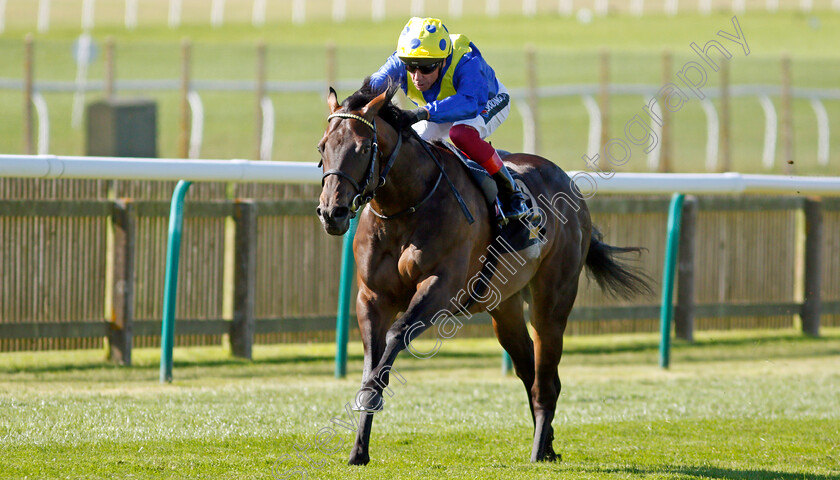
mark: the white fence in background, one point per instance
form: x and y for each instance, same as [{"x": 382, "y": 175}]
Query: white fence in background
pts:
[
  {"x": 587, "y": 94},
  {"x": 121, "y": 168},
  {"x": 456, "y": 8}
]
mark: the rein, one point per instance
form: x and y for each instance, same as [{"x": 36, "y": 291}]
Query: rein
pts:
[{"x": 362, "y": 199}]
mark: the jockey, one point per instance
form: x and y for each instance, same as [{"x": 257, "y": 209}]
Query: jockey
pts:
[{"x": 457, "y": 94}]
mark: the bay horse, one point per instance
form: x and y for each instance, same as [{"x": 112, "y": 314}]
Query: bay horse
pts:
[{"x": 416, "y": 252}]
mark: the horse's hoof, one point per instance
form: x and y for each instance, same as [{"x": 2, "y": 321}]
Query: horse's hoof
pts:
[
  {"x": 359, "y": 460},
  {"x": 548, "y": 456}
]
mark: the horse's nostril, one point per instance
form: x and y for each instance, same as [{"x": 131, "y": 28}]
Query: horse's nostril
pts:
[
  {"x": 318, "y": 211},
  {"x": 339, "y": 213}
]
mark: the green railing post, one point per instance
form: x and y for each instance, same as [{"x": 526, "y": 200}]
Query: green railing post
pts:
[
  {"x": 173, "y": 255},
  {"x": 666, "y": 312},
  {"x": 342, "y": 322},
  {"x": 507, "y": 363}
]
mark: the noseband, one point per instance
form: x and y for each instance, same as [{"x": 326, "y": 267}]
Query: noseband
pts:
[{"x": 362, "y": 197}]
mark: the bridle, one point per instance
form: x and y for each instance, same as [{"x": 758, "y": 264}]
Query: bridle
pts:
[{"x": 362, "y": 197}]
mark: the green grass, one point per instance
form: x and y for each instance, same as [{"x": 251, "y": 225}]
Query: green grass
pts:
[
  {"x": 567, "y": 54},
  {"x": 739, "y": 405}
]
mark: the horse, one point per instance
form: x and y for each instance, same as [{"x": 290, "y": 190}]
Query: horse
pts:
[{"x": 416, "y": 252}]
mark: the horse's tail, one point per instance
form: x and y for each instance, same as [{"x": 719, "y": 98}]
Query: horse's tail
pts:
[{"x": 613, "y": 275}]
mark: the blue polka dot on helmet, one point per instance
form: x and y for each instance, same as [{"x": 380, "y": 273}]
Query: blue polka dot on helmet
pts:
[{"x": 423, "y": 41}]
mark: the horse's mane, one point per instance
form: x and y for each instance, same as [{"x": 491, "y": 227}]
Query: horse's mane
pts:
[{"x": 389, "y": 112}]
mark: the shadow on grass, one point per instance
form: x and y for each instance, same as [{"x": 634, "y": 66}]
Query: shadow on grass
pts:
[
  {"x": 653, "y": 345},
  {"x": 226, "y": 362},
  {"x": 693, "y": 352},
  {"x": 722, "y": 473}
]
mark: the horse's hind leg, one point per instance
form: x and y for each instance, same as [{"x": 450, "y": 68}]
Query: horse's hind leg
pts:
[
  {"x": 510, "y": 328},
  {"x": 553, "y": 301}
]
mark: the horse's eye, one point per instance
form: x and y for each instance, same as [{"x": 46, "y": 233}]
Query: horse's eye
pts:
[{"x": 365, "y": 150}]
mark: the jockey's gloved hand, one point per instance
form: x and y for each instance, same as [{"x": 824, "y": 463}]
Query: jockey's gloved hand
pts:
[{"x": 410, "y": 117}]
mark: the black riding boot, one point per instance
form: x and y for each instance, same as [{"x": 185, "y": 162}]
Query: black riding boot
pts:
[{"x": 513, "y": 200}]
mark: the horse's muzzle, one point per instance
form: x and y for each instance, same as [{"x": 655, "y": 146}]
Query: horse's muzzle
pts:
[{"x": 335, "y": 219}]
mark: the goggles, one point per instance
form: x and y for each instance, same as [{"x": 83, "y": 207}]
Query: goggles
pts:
[{"x": 424, "y": 69}]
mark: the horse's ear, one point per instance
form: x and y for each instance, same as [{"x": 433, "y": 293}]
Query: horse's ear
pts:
[
  {"x": 372, "y": 108},
  {"x": 332, "y": 101}
]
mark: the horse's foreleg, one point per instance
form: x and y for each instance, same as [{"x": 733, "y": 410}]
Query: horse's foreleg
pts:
[
  {"x": 432, "y": 297},
  {"x": 374, "y": 316}
]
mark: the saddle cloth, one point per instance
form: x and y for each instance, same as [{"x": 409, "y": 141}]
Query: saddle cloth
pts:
[{"x": 519, "y": 234}]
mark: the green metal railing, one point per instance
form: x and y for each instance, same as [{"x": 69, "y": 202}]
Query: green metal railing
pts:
[
  {"x": 342, "y": 322},
  {"x": 170, "y": 294},
  {"x": 666, "y": 312}
]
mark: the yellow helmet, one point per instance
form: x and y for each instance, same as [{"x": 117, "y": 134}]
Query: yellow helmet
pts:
[{"x": 423, "y": 41}]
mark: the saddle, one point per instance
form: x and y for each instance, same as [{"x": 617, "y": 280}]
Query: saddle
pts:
[{"x": 519, "y": 234}]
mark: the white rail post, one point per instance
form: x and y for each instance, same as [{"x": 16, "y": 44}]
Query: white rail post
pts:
[
  {"x": 492, "y": 8},
  {"x": 258, "y": 13},
  {"x": 43, "y": 15},
  {"x": 88, "y": 14},
  {"x": 768, "y": 155},
  {"x": 417, "y": 8},
  {"x": 130, "y": 14},
  {"x": 339, "y": 10},
  {"x": 83, "y": 59},
  {"x": 772, "y": 6},
  {"x": 3, "y": 16},
  {"x": 174, "y": 13},
  {"x": 377, "y": 10},
  {"x": 43, "y": 114},
  {"x": 456, "y": 8},
  {"x": 637, "y": 7},
  {"x": 822, "y": 131},
  {"x": 267, "y": 140},
  {"x": 655, "y": 155},
  {"x": 529, "y": 8},
  {"x": 196, "y": 124},
  {"x": 565, "y": 7},
  {"x": 217, "y": 13},
  {"x": 712, "y": 134},
  {"x": 298, "y": 12},
  {"x": 593, "y": 144},
  {"x": 602, "y": 7}
]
